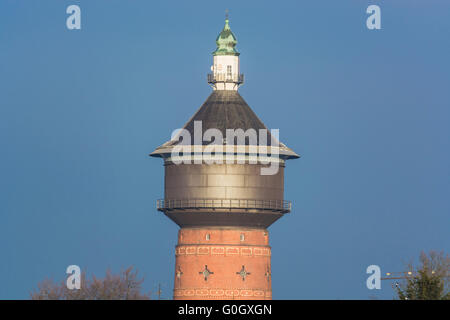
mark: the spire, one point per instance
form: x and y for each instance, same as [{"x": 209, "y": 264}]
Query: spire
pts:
[
  {"x": 225, "y": 69},
  {"x": 227, "y": 26},
  {"x": 226, "y": 41}
]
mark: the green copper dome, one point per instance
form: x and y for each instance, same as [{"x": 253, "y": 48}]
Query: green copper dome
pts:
[{"x": 226, "y": 42}]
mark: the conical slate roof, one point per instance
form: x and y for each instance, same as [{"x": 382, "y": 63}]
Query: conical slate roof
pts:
[
  {"x": 225, "y": 109},
  {"x": 222, "y": 110}
]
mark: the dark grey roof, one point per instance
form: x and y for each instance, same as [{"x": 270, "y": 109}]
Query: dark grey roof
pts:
[
  {"x": 225, "y": 109},
  {"x": 222, "y": 110}
]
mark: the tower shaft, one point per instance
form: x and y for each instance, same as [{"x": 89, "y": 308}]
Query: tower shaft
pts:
[{"x": 222, "y": 263}]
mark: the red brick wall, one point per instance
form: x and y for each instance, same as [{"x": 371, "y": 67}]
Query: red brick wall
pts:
[{"x": 224, "y": 253}]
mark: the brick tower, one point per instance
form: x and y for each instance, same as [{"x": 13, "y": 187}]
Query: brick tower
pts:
[{"x": 220, "y": 190}]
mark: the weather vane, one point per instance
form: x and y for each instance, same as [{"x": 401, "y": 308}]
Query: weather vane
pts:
[{"x": 226, "y": 14}]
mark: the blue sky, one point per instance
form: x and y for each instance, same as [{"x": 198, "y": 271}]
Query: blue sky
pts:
[{"x": 81, "y": 110}]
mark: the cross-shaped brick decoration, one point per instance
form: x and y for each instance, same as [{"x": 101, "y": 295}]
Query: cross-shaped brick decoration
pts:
[
  {"x": 206, "y": 273},
  {"x": 179, "y": 273},
  {"x": 243, "y": 273},
  {"x": 268, "y": 274}
]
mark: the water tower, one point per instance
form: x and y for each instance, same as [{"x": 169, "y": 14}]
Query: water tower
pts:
[{"x": 224, "y": 209}]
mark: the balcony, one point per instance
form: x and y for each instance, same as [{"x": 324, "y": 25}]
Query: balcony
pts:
[
  {"x": 282, "y": 206},
  {"x": 225, "y": 77}
]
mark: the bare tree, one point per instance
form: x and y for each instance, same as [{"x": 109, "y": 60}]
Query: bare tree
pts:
[
  {"x": 123, "y": 286},
  {"x": 430, "y": 282}
]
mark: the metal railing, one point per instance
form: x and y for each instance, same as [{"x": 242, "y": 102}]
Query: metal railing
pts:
[
  {"x": 225, "y": 77},
  {"x": 276, "y": 205}
]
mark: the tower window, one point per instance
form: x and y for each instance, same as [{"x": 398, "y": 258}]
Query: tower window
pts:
[
  {"x": 208, "y": 236},
  {"x": 242, "y": 237},
  {"x": 229, "y": 73}
]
